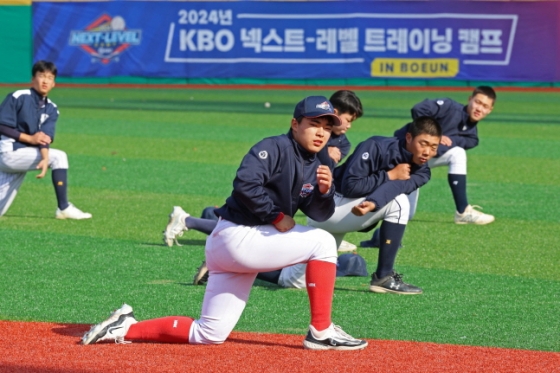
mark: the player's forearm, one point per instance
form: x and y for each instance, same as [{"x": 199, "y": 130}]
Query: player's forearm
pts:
[
  {"x": 10, "y": 132},
  {"x": 44, "y": 153}
]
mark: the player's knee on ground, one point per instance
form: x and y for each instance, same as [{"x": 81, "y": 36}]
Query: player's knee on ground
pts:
[
  {"x": 398, "y": 210},
  {"x": 58, "y": 159}
]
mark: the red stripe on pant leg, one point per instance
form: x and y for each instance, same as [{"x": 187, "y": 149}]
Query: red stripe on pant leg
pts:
[
  {"x": 171, "y": 329},
  {"x": 320, "y": 278}
]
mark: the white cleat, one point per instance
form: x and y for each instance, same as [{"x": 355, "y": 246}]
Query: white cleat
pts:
[
  {"x": 332, "y": 338},
  {"x": 346, "y": 246},
  {"x": 72, "y": 212},
  {"x": 472, "y": 216},
  {"x": 175, "y": 227},
  {"x": 114, "y": 328}
]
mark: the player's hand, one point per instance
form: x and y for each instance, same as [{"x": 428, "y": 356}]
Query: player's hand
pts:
[
  {"x": 363, "y": 208},
  {"x": 43, "y": 166},
  {"x": 446, "y": 141},
  {"x": 324, "y": 179},
  {"x": 285, "y": 224},
  {"x": 40, "y": 138},
  {"x": 400, "y": 172},
  {"x": 334, "y": 153}
]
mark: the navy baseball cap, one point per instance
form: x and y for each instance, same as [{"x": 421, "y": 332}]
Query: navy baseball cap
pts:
[
  {"x": 351, "y": 265},
  {"x": 315, "y": 107}
]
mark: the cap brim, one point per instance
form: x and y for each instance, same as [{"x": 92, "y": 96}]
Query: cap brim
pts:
[{"x": 336, "y": 118}]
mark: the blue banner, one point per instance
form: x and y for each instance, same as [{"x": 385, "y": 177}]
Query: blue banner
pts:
[{"x": 498, "y": 41}]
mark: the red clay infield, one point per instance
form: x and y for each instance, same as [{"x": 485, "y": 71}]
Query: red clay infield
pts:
[{"x": 54, "y": 348}]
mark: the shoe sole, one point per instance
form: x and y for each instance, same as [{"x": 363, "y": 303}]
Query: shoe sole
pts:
[
  {"x": 65, "y": 217},
  {"x": 321, "y": 347},
  {"x": 382, "y": 290},
  {"x": 473, "y": 222},
  {"x": 167, "y": 241}
]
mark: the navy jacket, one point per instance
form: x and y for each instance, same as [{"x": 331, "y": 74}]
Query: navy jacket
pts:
[
  {"x": 341, "y": 142},
  {"x": 453, "y": 119},
  {"x": 28, "y": 112},
  {"x": 364, "y": 174},
  {"x": 277, "y": 175}
]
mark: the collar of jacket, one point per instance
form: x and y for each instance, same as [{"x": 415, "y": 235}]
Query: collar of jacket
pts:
[
  {"x": 466, "y": 118},
  {"x": 39, "y": 99}
]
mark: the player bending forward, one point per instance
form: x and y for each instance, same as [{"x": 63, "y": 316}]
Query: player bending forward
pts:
[
  {"x": 373, "y": 184},
  {"x": 256, "y": 232},
  {"x": 27, "y": 125}
]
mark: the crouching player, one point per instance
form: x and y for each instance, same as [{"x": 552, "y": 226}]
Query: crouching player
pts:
[{"x": 373, "y": 185}]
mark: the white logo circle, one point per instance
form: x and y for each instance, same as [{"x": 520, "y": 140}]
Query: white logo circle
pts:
[
  {"x": 440, "y": 102},
  {"x": 365, "y": 156},
  {"x": 263, "y": 154}
]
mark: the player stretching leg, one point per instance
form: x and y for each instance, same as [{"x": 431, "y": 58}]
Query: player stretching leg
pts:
[
  {"x": 256, "y": 232},
  {"x": 373, "y": 184},
  {"x": 27, "y": 126}
]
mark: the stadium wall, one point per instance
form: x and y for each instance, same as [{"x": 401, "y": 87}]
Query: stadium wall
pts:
[
  {"x": 15, "y": 41},
  {"x": 55, "y": 26}
]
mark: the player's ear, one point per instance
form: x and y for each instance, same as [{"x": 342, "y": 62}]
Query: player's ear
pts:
[
  {"x": 294, "y": 125},
  {"x": 336, "y": 111},
  {"x": 408, "y": 137}
]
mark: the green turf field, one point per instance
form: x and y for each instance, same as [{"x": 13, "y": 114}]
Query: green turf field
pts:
[{"x": 135, "y": 153}]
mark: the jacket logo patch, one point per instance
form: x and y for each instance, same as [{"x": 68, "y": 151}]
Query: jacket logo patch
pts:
[
  {"x": 44, "y": 117},
  {"x": 263, "y": 154},
  {"x": 365, "y": 156},
  {"x": 306, "y": 190},
  {"x": 440, "y": 102}
]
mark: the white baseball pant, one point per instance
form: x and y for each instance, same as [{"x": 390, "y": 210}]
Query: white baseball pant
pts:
[
  {"x": 235, "y": 254},
  {"x": 15, "y": 164},
  {"x": 455, "y": 158},
  {"x": 344, "y": 221}
]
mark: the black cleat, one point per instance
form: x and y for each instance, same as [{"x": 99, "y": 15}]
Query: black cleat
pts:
[
  {"x": 201, "y": 276},
  {"x": 392, "y": 284}
]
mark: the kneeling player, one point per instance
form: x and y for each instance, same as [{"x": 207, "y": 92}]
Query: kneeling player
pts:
[{"x": 256, "y": 233}]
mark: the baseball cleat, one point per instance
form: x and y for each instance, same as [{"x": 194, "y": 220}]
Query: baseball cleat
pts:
[
  {"x": 175, "y": 227},
  {"x": 332, "y": 338},
  {"x": 72, "y": 212},
  {"x": 114, "y": 328},
  {"x": 472, "y": 216},
  {"x": 346, "y": 246},
  {"x": 201, "y": 276},
  {"x": 392, "y": 283}
]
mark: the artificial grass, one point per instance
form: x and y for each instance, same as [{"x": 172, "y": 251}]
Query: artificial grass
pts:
[{"x": 135, "y": 157}]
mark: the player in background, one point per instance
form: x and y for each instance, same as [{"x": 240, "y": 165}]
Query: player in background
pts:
[
  {"x": 372, "y": 185},
  {"x": 347, "y": 106},
  {"x": 460, "y": 133},
  {"x": 27, "y": 127},
  {"x": 256, "y": 232}
]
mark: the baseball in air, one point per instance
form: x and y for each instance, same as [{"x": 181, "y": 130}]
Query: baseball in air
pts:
[{"x": 267, "y": 105}]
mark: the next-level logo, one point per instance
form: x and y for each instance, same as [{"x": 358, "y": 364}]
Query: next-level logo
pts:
[{"x": 106, "y": 38}]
